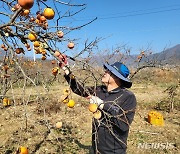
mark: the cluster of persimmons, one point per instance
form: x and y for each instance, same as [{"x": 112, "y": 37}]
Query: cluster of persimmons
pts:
[{"x": 41, "y": 19}]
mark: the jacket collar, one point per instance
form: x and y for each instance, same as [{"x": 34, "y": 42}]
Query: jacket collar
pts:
[{"x": 116, "y": 90}]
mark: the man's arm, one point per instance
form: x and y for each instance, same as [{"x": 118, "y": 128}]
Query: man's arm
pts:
[{"x": 77, "y": 87}]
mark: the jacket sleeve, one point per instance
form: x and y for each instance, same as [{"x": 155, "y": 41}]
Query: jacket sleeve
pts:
[
  {"x": 121, "y": 112},
  {"x": 77, "y": 87}
]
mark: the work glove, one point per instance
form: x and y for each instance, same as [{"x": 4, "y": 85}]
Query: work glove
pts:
[{"x": 97, "y": 100}]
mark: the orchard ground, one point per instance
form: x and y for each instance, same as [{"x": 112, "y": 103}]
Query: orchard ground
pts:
[{"x": 30, "y": 120}]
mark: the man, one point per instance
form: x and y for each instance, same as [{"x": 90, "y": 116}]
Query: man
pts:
[{"x": 116, "y": 103}]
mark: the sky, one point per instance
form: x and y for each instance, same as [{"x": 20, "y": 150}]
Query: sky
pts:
[{"x": 137, "y": 23}]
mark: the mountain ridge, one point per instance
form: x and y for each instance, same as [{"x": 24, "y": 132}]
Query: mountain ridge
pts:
[{"x": 169, "y": 56}]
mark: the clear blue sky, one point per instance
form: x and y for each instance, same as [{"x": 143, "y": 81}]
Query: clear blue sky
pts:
[{"x": 137, "y": 23}]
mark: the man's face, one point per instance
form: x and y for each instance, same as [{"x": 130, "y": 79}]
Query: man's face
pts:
[{"x": 107, "y": 78}]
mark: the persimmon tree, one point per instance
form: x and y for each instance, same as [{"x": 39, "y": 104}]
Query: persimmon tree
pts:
[{"x": 36, "y": 27}]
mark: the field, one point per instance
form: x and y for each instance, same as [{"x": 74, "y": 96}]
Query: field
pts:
[
  {"x": 37, "y": 38},
  {"x": 30, "y": 120}
]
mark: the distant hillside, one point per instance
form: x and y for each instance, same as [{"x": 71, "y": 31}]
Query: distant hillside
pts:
[{"x": 170, "y": 56}]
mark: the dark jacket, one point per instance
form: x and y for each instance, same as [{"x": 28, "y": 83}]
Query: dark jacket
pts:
[{"x": 109, "y": 134}]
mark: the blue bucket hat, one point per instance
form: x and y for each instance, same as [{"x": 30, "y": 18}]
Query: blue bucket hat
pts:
[{"x": 120, "y": 71}]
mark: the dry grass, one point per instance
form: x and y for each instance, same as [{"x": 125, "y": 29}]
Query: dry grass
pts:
[{"x": 30, "y": 121}]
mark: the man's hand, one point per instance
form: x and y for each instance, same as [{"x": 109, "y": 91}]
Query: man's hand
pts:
[
  {"x": 97, "y": 100},
  {"x": 63, "y": 60},
  {"x": 64, "y": 63}
]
